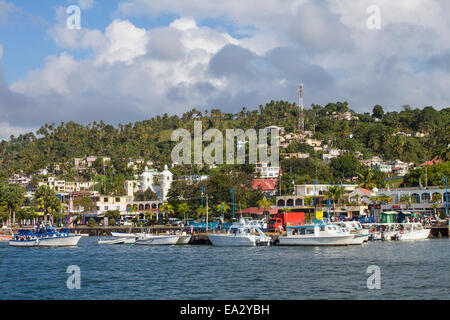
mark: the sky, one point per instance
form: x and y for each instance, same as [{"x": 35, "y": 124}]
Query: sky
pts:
[{"x": 135, "y": 59}]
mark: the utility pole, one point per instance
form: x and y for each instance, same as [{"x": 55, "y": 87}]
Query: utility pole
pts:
[
  {"x": 232, "y": 191},
  {"x": 206, "y": 212},
  {"x": 446, "y": 197}
]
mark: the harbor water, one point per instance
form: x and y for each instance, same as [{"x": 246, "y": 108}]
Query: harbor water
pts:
[{"x": 409, "y": 270}]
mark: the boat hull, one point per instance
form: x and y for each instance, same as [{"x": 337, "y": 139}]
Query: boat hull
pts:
[
  {"x": 65, "y": 241},
  {"x": 158, "y": 240},
  {"x": 184, "y": 239},
  {"x": 123, "y": 235},
  {"x": 118, "y": 241},
  {"x": 415, "y": 235},
  {"x": 317, "y": 241},
  {"x": 222, "y": 240}
]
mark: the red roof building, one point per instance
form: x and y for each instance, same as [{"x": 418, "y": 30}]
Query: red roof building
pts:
[{"x": 268, "y": 186}]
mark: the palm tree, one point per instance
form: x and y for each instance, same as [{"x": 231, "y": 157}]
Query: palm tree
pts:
[
  {"x": 366, "y": 178},
  {"x": 334, "y": 193},
  {"x": 200, "y": 211},
  {"x": 183, "y": 208},
  {"x": 222, "y": 208},
  {"x": 12, "y": 197},
  {"x": 167, "y": 208},
  {"x": 406, "y": 198}
]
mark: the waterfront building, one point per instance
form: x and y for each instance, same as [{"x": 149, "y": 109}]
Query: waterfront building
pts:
[
  {"x": 105, "y": 203},
  {"x": 361, "y": 195},
  {"x": 421, "y": 198}
]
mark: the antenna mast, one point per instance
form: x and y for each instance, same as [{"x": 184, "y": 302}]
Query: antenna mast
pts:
[{"x": 301, "y": 116}]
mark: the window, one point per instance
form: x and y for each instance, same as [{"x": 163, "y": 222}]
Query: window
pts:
[
  {"x": 118, "y": 208},
  {"x": 117, "y": 199},
  {"x": 105, "y": 199},
  {"x": 310, "y": 231}
]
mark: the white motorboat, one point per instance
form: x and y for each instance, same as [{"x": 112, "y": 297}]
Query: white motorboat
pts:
[
  {"x": 413, "y": 231},
  {"x": 124, "y": 235},
  {"x": 45, "y": 237},
  {"x": 126, "y": 240},
  {"x": 240, "y": 236},
  {"x": 355, "y": 228},
  {"x": 156, "y": 239},
  {"x": 316, "y": 235},
  {"x": 358, "y": 238},
  {"x": 184, "y": 238}
]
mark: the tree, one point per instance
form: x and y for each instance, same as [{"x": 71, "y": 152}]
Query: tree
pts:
[
  {"x": 377, "y": 112},
  {"x": 222, "y": 208},
  {"x": 12, "y": 197},
  {"x": 167, "y": 208},
  {"x": 308, "y": 200},
  {"x": 334, "y": 193},
  {"x": 47, "y": 200},
  {"x": 183, "y": 209},
  {"x": 366, "y": 178},
  {"x": 406, "y": 199},
  {"x": 201, "y": 211},
  {"x": 265, "y": 204}
]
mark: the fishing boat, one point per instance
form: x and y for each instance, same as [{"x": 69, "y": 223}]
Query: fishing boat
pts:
[
  {"x": 240, "y": 236},
  {"x": 316, "y": 235},
  {"x": 45, "y": 237},
  {"x": 156, "y": 239},
  {"x": 413, "y": 231},
  {"x": 126, "y": 240},
  {"x": 6, "y": 234}
]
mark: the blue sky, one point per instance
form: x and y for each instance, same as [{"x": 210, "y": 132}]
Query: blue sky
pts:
[{"x": 134, "y": 59}]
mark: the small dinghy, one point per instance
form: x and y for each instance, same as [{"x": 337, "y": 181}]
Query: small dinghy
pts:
[{"x": 118, "y": 241}]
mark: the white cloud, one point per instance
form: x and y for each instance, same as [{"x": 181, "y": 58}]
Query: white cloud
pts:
[
  {"x": 125, "y": 42},
  {"x": 86, "y": 4},
  {"x": 134, "y": 73}
]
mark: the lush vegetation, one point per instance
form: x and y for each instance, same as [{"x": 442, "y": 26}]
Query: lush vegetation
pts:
[{"x": 372, "y": 134}]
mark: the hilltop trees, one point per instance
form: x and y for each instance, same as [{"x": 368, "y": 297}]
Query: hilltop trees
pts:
[{"x": 11, "y": 197}]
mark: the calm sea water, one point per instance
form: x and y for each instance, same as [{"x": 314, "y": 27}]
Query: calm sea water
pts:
[{"x": 409, "y": 270}]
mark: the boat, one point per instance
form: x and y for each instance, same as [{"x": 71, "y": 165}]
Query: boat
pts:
[
  {"x": 413, "y": 231},
  {"x": 45, "y": 237},
  {"x": 124, "y": 235},
  {"x": 355, "y": 228},
  {"x": 358, "y": 238},
  {"x": 6, "y": 234},
  {"x": 240, "y": 236},
  {"x": 156, "y": 239},
  {"x": 126, "y": 240},
  {"x": 184, "y": 238},
  {"x": 316, "y": 235}
]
